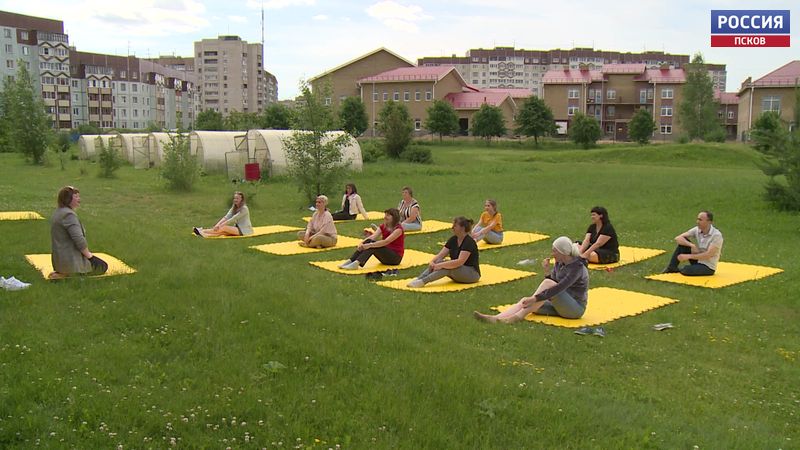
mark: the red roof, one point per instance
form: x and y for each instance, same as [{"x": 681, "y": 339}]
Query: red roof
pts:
[
  {"x": 474, "y": 100},
  {"x": 623, "y": 68},
  {"x": 571, "y": 76},
  {"x": 424, "y": 73},
  {"x": 787, "y": 75},
  {"x": 726, "y": 98},
  {"x": 513, "y": 92},
  {"x": 665, "y": 76}
]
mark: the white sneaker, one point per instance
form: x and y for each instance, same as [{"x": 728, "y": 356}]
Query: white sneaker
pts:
[
  {"x": 13, "y": 284},
  {"x": 416, "y": 283},
  {"x": 527, "y": 262},
  {"x": 352, "y": 265},
  {"x": 346, "y": 262}
]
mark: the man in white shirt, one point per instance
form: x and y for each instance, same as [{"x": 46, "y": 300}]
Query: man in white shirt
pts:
[{"x": 701, "y": 246}]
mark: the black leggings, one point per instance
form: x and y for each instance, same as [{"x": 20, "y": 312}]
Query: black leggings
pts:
[
  {"x": 385, "y": 255},
  {"x": 342, "y": 215}
]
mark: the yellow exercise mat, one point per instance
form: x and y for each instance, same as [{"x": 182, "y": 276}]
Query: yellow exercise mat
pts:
[
  {"x": 371, "y": 215},
  {"x": 294, "y": 248},
  {"x": 20, "y": 215},
  {"x": 629, "y": 255},
  {"x": 260, "y": 231},
  {"x": 432, "y": 226},
  {"x": 411, "y": 258},
  {"x": 727, "y": 273},
  {"x": 489, "y": 275},
  {"x": 513, "y": 238},
  {"x": 604, "y": 305},
  {"x": 43, "y": 263}
]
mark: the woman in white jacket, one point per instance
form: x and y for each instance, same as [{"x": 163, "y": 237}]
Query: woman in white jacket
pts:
[{"x": 351, "y": 205}]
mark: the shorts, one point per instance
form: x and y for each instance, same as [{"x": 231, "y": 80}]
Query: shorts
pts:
[{"x": 606, "y": 256}]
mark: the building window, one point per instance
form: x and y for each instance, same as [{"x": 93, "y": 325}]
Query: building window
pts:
[
  {"x": 135, "y": 99},
  {"x": 666, "y": 111},
  {"x": 327, "y": 101},
  {"x": 7, "y": 33},
  {"x": 23, "y": 35},
  {"x": 417, "y": 125},
  {"x": 428, "y": 96},
  {"x": 572, "y": 110},
  {"x": 417, "y": 96},
  {"x": 611, "y": 94},
  {"x": 396, "y": 96},
  {"x": 609, "y": 128},
  {"x": 730, "y": 114},
  {"x": 667, "y": 93},
  {"x": 374, "y": 96},
  {"x": 9, "y": 49},
  {"x": 74, "y": 83},
  {"x": 25, "y": 50},
  {"x": 771, "y": 103},
  {"x": 572, "y": 93},
  {"x": 10, "y": 63},
  {"x": 385, "y": 96},
  {"x": 666, "y": 129},
  {"x": 611, "y": 111},
  {"x": 134, "y": 87},
  {"x": 406, "y": 96},
  {"x": 122, "y": 87}
]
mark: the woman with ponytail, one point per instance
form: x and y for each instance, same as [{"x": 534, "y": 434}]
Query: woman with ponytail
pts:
[
  {"x": 563, "y": 292},
  {"x": 462, "y": 267}
]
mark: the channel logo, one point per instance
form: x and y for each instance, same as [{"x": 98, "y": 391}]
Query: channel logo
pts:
[{"x": 750, "y": 28}]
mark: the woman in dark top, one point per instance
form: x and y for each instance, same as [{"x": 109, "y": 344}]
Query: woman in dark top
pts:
[
  {"x": 600, "y": 246},
  {"x": 388, "y": 249},
  {"x": 462, "y": 267},
  {"x": 564, "y": 292}
]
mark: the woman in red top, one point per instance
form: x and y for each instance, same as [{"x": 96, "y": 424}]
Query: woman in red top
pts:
[{"x": 388, "y": 250}]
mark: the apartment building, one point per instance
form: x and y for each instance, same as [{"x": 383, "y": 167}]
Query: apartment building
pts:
[
  {"x": 613, "y": 93},
  {"x": 43, "y": 47},
  {"x": 110, "y": 91},
  {"x": 231, "y": 75},
  {"x": 775, "y": 91},
  {"x": 343, "y": 80},
  {"x": 508, "y": 67},
  {"x": 728, "y": 112}
]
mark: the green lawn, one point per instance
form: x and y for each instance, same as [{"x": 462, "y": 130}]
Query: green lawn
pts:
[{"x": 191, "y": 348}]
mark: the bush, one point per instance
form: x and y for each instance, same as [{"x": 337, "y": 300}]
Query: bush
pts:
[
  {"x": 417, "y": 154},
  {"x": 584, "y": 130},
  {"x": 180, "y": 169},
  {"x": 396, "y": 126},
  {"x": 683, "y": 139},
  {"x": 108, "y": 160},
  {"x": 641, "y": 127},
  {"x": 715, "y": 135},
  {"x": 371, "y": 150}
]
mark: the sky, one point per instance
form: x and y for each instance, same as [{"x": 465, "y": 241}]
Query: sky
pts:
[{"x": 304, "y": 38}]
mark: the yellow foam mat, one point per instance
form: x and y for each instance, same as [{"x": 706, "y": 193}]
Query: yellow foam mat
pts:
[
  {"x": 604, "y": 305},
  {"x": 411, "y": 258},
  {"x": 294, "y": 248},
  {"x": 261, "y": 231},
  {"x": 371, "y": 215},
  {"x": 629, "y": 255},
  {"x": 489, "y": 275},
  {"x": 513, "y": 238},
  {"x": 432, "y": 226},
  {"x": 727, "y": 273},
  {"x": 43, "y": 263},
  {"x": 20, "y": 215}
]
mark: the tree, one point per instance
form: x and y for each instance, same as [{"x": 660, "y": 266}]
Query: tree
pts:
[
  {"x": 27, "y": 126},
  {"x": 442, "y": 119},
  {"x": 584, "y": 130},
  {"x": 642, "y": 126},
  {"x": 277, "y": 117},
  {"x": 396, "y": 127},
  {"x": 315, "y": 155},
  {"x": 180, "y": 168},
  {"x": 488, "y": 122},
  {"x": 697, "y": 110},
  {"x": 87, "y": 128},
  {"x": 61, "y": 147},
  {"x": 781, "y": 150},
  {"x": 353, "y": 116},
  {"x": 535, "y": 119},
  {"x": 209, "y": 120},
  {"x": 242, "y": 121},
  {"x": 108, "y": 160}
]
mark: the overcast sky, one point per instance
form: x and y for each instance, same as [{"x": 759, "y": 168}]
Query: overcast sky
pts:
[{"x": 306, "y": 37}]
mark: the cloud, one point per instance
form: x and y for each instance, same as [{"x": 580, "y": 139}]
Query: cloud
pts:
[
  {"x": 397, "y": 16},
  {"x": 320, "y": 17},
  {"x": 145, "y": 18},
  {"x": 237, "y": 19},
  {"x": 279, "y": 4}
]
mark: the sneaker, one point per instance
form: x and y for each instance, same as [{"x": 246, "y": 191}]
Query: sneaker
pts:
[
  {"x": 671, "y": 270},
  {"x": 341, "y": 266},
  {"x": 352, "y": 265},
  {"x": 527, "y": 262},
  {"x": 584, "y": 331},
  {"x": 416, "y": 283},
  {"x": 196, "y": 231},
  {"x": 13, "y": 284},
  {"x": 392, "y": 272},
  {"x": 662, "y": 326},
  {"x": 599, "y": 331}
]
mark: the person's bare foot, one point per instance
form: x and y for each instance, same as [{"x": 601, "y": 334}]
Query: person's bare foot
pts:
[
  {"x": 56, "y": 276},
  {"x": 484, "y": 317}
]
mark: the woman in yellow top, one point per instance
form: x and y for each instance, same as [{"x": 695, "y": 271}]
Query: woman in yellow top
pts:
[{"x": 490, "y": 226}]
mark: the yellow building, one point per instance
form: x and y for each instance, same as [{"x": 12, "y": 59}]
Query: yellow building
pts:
[{"x": 775, "y": 91}]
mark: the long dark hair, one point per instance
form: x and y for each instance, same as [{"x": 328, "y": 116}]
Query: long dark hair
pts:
[
  {"x": 237, "y": 208},
  {"x": 464, "y": 223},
  {"x": 395, "y": 216},
  {"x": 602, "y": 212},
  {"x": 352, "y": 187}
]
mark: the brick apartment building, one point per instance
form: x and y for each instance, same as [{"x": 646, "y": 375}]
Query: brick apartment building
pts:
[
  {"x": 728, "y": 112},
  {"x": 775, "y": 91},
  {"x": 508, "y": 67}
]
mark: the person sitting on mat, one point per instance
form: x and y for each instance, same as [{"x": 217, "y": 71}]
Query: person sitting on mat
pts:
[
  {"x": 563, "y": 292},
  {"x": 703, "y": 255},
  {"x": 388, "y": 250},
  {"x": 235, "y": 223},
  {"x": 70, "y": 251},
  {"x": 462, "y": 267},
  {"x": 490, "y": 225},
  {"x": 410, "y": 217},
  {"x": 351, "y": 205},
  {"x": 320, "y": 231},
  {"x": 600, "y": 246}
]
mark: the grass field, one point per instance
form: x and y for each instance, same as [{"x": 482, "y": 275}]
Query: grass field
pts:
[{"x": 214, "y": 345}]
